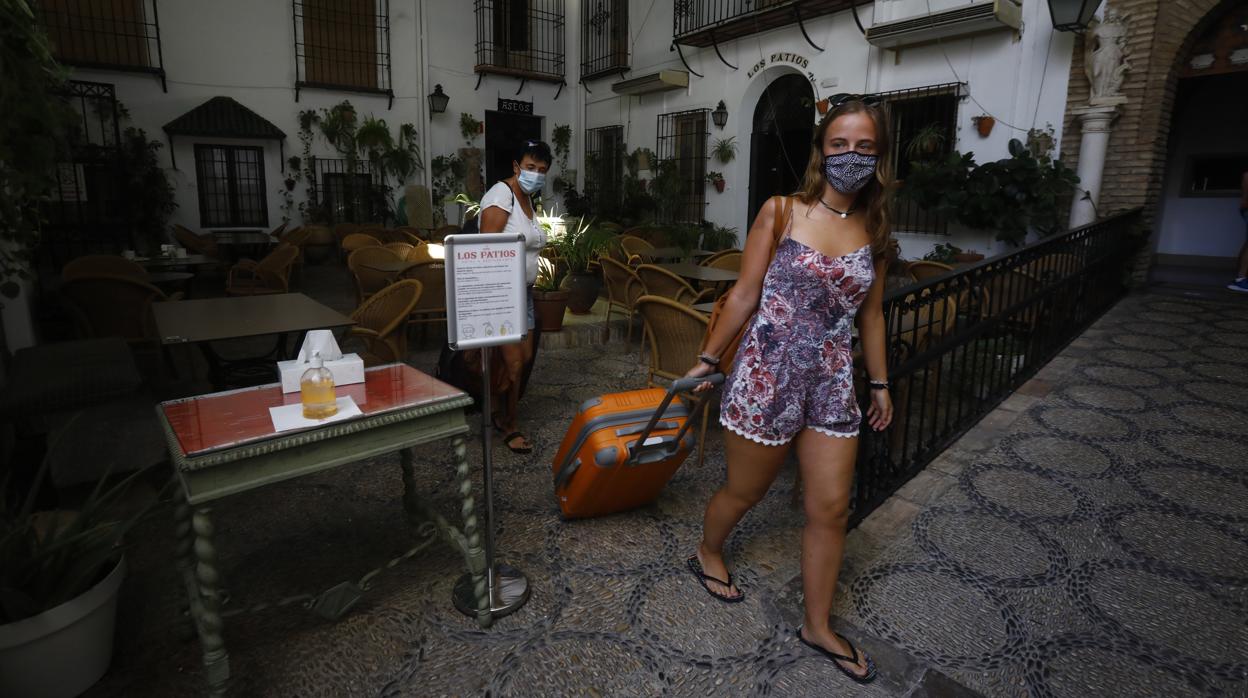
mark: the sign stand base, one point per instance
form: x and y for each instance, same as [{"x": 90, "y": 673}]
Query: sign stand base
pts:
[{"x": 508, "y": 587}]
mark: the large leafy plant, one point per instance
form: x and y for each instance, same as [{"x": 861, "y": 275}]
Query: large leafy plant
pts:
[
  {"x": 33, "y": 128},
  {"x": 50, "y": 557},
  {"x": 580, "y": 242},
  {"x": 1009, "y": 196}
]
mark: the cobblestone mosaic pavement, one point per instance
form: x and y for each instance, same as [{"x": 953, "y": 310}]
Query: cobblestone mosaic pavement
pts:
[{"x": 1101, "y": 548}]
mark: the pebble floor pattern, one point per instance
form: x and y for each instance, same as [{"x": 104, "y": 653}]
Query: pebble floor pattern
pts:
[{"x": 1100, "y": 549}]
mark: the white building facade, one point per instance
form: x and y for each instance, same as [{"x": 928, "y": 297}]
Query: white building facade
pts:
[{"x": 523, "y": 67}]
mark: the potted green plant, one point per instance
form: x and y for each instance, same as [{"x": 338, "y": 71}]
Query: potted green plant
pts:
[
  {"x": 549, "y": 301},
  {"x": 717, "y": 179},
  {"x": 576, "y": 246},
  {"x": 944, "y": 252},
  {"x": 718, "y": 237},
  {"x": 725, "y": 149},
  {"x": 60, "y": 573},
  {"x": 925, "y": 143},
  {"x": 561, "y": 143}
]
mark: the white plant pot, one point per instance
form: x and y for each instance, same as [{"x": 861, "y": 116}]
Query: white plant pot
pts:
[{"x": 64, "y": 650}]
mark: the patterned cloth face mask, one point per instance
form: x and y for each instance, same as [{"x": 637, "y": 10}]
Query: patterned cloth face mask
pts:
[{"x": 850, "y": 171}]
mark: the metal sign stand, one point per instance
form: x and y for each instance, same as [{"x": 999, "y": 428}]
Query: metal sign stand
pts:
[{"x": 507, "y": 586}]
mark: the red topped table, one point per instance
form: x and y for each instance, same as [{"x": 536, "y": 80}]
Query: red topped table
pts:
[{"x": 224, "y": 443}]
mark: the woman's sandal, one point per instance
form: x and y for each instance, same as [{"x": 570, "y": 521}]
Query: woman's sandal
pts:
[
  {"x": 696, "y": 567},
  {"x": 838, "y": 658},
  {"x": 512, "y": 437}
]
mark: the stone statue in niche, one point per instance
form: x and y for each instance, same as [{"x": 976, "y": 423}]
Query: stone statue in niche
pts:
[{"x": 1105, "y": 58}]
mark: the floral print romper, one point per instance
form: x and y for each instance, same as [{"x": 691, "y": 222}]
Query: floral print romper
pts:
[{"x": 794, "y": 369}]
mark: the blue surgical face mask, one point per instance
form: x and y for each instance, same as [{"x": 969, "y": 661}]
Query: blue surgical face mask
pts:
[{"x": 531, "y": 182}]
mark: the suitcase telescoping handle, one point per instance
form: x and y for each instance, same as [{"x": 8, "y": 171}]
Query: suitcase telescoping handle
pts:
[{"x": 642, "y": 452}]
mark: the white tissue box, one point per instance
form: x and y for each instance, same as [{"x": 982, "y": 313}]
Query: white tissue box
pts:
[{"x": 347, "y": 370}]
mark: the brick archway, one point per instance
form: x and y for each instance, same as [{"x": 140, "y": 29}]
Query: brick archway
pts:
[{"x": 1160, "y": 37}]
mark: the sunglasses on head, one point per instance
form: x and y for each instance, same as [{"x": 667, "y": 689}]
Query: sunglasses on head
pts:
[{"x": 837, "y": 100}]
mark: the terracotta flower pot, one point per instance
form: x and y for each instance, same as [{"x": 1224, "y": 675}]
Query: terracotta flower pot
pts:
[
  {"x": 719, "y": 185},
  {"x": 549, "y": 307},
  {"x": 822, "y": 106},
  {"x": 984, "y": 125},
  {"x": 968, "y": 257},
  {"x": 582, "y": 288}
]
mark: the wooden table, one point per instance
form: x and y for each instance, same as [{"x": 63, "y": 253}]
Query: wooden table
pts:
[
  {"x": 191, "y": 260},
  {"x": 700, "y": 273},
  {"x": 248, "y": 243},
  {"x": 675, "y": 253},
  {"x": 224, "y": 444},
  {"x": 214, "y": 319},
  {"x": 172, "y": 278}
]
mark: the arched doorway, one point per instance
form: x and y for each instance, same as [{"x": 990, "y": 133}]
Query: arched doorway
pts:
[
  {"x": 780, "y": 143},
  {"x": 1199, "y": 230}
]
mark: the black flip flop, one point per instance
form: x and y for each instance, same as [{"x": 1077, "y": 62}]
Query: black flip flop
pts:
[
  {"x": 516, "y": 449},
  {"x": 703, "y": 578},
  {"x": 838, "y": 658}
]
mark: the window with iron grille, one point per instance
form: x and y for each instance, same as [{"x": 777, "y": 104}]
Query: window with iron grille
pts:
[
  {"x": 604, "y": 166},
  {"x": 117, "y": 34},
  {"x": 924, "y": 124},
  {"x": 343, "y": 44},
  {"x": 231, "y": 186},
  {"x": 604, "y": 37},
  {"x": 523, "y": 38},
  {"x": 681, "y": 151},
  {"x": 343, "y": 192}
]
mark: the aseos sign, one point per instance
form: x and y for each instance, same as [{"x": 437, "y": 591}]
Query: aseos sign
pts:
[{"x": 486, "y": 298}]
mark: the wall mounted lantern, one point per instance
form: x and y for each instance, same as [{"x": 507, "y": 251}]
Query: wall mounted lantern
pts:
[
  {"x": 438, "y": 100},
  {"x": 720, "y": 115},
  {"x": 1072, "y": 15}
]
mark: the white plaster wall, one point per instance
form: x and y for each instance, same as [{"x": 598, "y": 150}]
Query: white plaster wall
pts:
[
  {"x": 1210, "y": 122},
  {"x": 1021, "y": 80}
]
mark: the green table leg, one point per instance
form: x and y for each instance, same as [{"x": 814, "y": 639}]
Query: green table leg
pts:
[
  {"x": 206, "y": 604},
  {"x": 468, "y": 542}
]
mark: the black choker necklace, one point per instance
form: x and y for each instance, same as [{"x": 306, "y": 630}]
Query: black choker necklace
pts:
[{"x": 843, "y": 214}]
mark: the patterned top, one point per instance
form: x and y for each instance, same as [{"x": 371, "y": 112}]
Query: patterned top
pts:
[{"x": 794, "y": 368}]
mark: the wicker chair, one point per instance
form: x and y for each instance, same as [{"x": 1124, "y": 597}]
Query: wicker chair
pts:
[
  {"x": 431, "y": 310},
  {"x": 356, "y": 241},
  {"x": 110, "y": 305},
  {"x": 440, "y": 234},
  {"x": 675, "y": 332},
  {"x": 381, "y": 320},
  {"x": 624, "y": 287},
  {"x": 421, "y": 254},
  {"x": 635, "y": 249},
  {"x": 658, "y": 281},
  {"x": 367, "y": 279},
  {"x": 103, "y": 265},
  {"x": 408, "y": 234},
  {"x": 733, "y": 256},
  {"x": 297, "y": 237},
  {"x": 279, "y": 231},
  {"x": 402, "y": 249},
  {"x": 196, "y": 243},
  {"x": 269, "y": 275},
  {"x": 923, "y": 270}
]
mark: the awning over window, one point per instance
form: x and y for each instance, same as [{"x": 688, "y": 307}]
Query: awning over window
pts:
[{"x": 222, "y": 117}]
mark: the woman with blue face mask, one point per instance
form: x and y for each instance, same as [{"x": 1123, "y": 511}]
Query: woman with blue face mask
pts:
[
  {"x": 508, "y": 208},
  {"x": 791, "y": 384}
]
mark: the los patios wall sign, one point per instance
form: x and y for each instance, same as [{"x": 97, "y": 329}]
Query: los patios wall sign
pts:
[{"x": 796, "y": 59}]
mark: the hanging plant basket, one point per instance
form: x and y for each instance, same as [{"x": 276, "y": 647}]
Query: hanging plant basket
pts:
[
  {"x": 984, "y": 125},
  {"x": 822, "y": 106}
]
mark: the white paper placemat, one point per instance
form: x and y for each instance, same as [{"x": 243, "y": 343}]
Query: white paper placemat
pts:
[{"x": 289, "y": 417}]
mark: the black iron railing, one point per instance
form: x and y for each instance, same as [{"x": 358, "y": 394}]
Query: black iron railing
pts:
[
  {"x": 604, "y": 37},
  {"x": 679, "y": 177},
  {"x": 925, "y": 127},
  {"x": 961, "y": 343},
  {"x": 708, "y": 22},
  {"x": 521, "y": 38},
  {"x": 342, "y": 45},
  {"x": 347, "y": 192},
  {"x": 111, "y": 35},
  {"x": 84, "y": 213},
  {"x": 604, "y": 166}
]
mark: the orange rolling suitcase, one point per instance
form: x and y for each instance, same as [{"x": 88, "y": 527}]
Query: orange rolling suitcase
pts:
[{"x": 622, "y": 448}]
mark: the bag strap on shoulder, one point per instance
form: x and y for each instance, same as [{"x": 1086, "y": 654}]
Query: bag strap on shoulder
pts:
[{"x": 781, "y": 222}]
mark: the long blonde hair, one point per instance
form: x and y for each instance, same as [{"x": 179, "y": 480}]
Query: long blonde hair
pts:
[{"x": 875, "y": 196}]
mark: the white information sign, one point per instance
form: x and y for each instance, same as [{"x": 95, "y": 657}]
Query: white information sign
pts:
[{"x": 486, "y": 297}]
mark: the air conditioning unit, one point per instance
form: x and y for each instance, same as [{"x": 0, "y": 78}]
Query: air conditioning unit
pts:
[
  {"x": 975, "y": 18},
  {"x": 654, "y": 82}
]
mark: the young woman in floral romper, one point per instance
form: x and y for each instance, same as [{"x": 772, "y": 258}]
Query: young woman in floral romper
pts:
[{"x": 792, "y": 380}]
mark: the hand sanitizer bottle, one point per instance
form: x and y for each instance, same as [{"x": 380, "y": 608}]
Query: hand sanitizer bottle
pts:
[{"x": 316, "y": 388}]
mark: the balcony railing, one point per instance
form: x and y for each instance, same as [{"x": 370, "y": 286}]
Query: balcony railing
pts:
[
  {"x": 604, "y": 37},
  {"x": 961, "y": 343},
  {"x": 708, "y": 22},
  {"x": 520, "y": 38}
]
